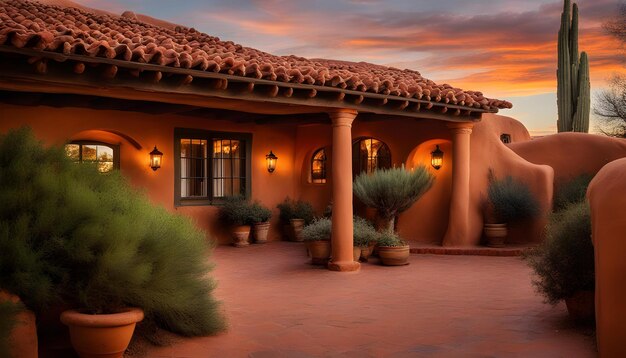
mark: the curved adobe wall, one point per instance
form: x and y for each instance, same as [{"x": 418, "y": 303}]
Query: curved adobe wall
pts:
[
  {"x": 608, "y": 221},
  {"x": 571, "y": 154},
  {"x": 488, "y": 151}
]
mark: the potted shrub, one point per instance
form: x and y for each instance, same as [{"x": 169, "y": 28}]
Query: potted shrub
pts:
[
  {"x": 92, "y": 241},
  {"x": 392, "y": 250},
  {"x": 508, "y": 200},
  {"x": 365, "y": 238},
  {"x": 295, "y": 215},
  {"x": 392, "y": 191},
  {"x": 236, "y": 211},
  {"x": 260, "y": 219},
  {"x": 316, "y": 237},
  {"x": 564, "y": 263}
]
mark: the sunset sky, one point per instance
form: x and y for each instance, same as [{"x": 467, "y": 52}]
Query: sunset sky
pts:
[{"x": 506, "y": 48}]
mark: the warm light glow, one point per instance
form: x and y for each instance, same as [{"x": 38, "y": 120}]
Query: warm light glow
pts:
[
  {"x": 155, "y": 158},
  {"x": 271, "y": 162},
  {"x": 436, "y": 158}
]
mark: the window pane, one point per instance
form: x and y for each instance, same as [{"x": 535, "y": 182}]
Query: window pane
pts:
[
  {"x": 105, "y": 153},
  {"x": 105, "y": 167},
  {"x": 193, "y": 169},
  {"x": 72, "y": 151},
  {"x": 90, "y": 152}
]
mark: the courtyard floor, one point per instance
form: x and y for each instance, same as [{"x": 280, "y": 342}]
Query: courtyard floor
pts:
[{"x": 278, "y": 305}]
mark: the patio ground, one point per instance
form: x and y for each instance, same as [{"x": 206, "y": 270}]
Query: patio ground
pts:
[{"x": 278, "y": 305}]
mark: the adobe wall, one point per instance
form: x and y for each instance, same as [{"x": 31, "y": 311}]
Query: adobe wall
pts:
[
  {"x": 608, "y": 221},
  {"x": 58, "y": 125},
  {"x": 571, "y": 154}
]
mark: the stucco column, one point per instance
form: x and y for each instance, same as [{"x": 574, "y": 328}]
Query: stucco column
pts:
[
  {"x": 458, "y": 222},
  {"x": 342, "y": 232}
]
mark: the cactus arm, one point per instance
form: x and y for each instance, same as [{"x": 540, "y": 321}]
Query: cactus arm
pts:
[
  {"x": 581, "y": 117},
  {"x": 564, "y": 75}
]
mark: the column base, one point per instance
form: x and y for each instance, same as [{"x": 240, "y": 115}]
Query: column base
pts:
[{"x": 344, "y": 266}]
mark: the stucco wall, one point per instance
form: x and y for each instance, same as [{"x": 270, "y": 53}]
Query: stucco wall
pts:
[{"x": 608, "y": 220}]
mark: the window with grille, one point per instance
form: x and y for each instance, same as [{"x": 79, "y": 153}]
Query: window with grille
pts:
[
  {"x": 104, "y": 156},
  {"x": 318, "y": 166},
  {"x": 369, "y": 154},
  {"x": 211, "y": 165}
]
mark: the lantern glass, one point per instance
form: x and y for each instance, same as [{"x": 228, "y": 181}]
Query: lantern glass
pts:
[
  {"x": 271, "y": 160},
  {"x": 436, "y": 158},
  {"x": 155, "y": 159}
]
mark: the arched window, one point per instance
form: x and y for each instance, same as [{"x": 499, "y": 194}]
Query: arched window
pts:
[
  {"x": 105, "y": 156},
  {"x": 369, "y": 154},
  {"x": 318, "y": 166}
]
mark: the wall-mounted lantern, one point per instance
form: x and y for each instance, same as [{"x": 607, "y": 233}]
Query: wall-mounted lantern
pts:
[
  {"x": 271, "y": 161},
  {"x": 436, "y": 158},
  {"x": 155, "y": 158}
]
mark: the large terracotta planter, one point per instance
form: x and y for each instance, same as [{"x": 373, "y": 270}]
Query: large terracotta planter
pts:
[
  {"x": 394, "y": 255},
  {"x": 241, "y": 235},
  {"x": 495, "y": 234},
  {"x": 260, "y": 232},
  {"x": 102, "y": 335},
  {"x": 319, "y": 251},
  {"x": 581, "y": 306},
  {"x": 296, "y": 227}
]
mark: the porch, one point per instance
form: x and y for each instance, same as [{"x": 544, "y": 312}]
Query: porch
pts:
[{"x": 278, "y": 305}]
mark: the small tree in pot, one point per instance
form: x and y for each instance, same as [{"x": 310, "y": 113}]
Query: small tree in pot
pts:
[
  {"x": 236, "y": 211},
  {"x": 260, "y": 219},
  {"x": 392, "y": 250},
  {"x": 508, "y": 200},
  {"x": 295, "y": 215},
  {"x": 316, "y": 237}
]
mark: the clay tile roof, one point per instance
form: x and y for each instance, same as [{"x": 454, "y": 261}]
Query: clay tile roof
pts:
[{"x": 69, "y": 30}]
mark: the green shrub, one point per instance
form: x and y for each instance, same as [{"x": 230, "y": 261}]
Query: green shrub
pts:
[
  {"x": 364, "y": 232},
  {"x": 564, "y": 262},
  {"x": 511, "y": 200},
  {"x": 390, "y": 239},
  {"x": 392, "y": 191},
  {"x": 572, "y": 191},
  {"x": 98, "y": 243},
  {"x": 319, "y": 229},
  {"x": 291, "y": 209},
  {"x": 8, "y": 312},
  {"x": 235, "y": 210},
  {"x": 259, "y": 213}
]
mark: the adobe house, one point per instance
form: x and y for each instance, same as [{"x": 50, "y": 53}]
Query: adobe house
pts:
[{"x": 115, "y": 87}]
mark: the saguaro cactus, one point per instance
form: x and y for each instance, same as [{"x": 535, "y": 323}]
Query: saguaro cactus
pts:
[{"x": 573, "y": 93}]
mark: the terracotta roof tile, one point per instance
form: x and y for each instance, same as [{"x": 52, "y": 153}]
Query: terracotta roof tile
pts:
[{"x": 68, "y": 30}]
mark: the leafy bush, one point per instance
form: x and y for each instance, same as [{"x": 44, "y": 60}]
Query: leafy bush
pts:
[
  {"x": 291, "y": 209},
  {"x": 392, "y": 191},
  {"x": 511, "y": 200},
  {"x": 259, "y": 213},
  {"x": 319, "y": 229},
  {"x": 94, "y": 242},
  {"x": 390, "y": 239},
  {"x": 235, "y": 210},
  {"x": 564, "y": 262},
  {"x": 364, "y": 232},
  {"x": 8, "y": 312},
  {"x": 572, "y": 191}
]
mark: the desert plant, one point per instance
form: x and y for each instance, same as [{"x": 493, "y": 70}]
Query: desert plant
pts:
[
  {"x": 291, "y": 209},
  {"x": 573, "y": 94},
  {"x": 572, "y": 191},
  {"x": 319, "y": 229},
  {"x": 364, "y": 232},
  {"x": 564, "y": 263},
  {"x": 97, "y": 243},
  {"x": 390, "y": 239},
  {"x": 259, "y": 213},
  {"x": 510, "y": 200},
  {"x": 235, "y": 210},
  {"x": 392, "y": 191}
]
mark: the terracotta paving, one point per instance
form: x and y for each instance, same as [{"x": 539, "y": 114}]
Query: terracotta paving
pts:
[{"x": 438, "y": 306}]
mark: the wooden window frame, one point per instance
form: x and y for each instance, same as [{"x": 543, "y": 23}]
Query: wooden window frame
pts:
[
  {"x": 115, "y": 147},
  {"x": 209, "y": 136},
  {"x": 324, "y": 161},
  {"x": 358, "y": 141}
]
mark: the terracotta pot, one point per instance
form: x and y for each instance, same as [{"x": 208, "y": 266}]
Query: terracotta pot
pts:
[
  {"x": 356, "y": 253},
  {"x": 102, "y": 335},
  {"x": 241, "y": 235},
  {"x": 495, "y": 234},
  {"x": 581, "y": 306},
  {"x": 260, "y": 232},
  {"x": 394, "y": 255},
  {"x": 296, "y": 227},
  {"x": 319, "y": 251},
  {"x": 366, "y": 251},
  {"x": 22, "y": 339}
]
